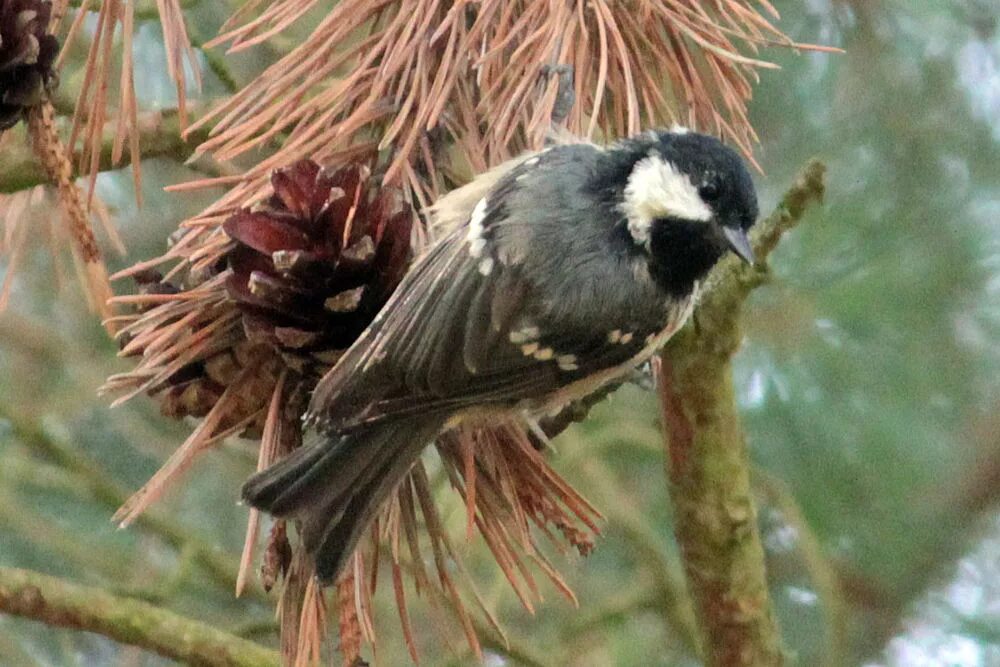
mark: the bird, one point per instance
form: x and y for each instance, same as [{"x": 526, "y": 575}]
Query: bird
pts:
[{"x": 555, "y": 274}]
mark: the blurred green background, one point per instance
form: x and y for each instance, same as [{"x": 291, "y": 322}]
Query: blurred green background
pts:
[{"x": 868, "y": 383}]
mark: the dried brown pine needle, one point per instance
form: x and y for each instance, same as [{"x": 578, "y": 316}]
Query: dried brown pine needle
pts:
[
  {"x": 116, "y": 21},
  {"x": 14, "y": 229},
  {"x": 421, "y": 76},
  {"x": 88, "y": 259},
  {"x": 269, "y": 451},
  {"x": 311, "y": 626}
]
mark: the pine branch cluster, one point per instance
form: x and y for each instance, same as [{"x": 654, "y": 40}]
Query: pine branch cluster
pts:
[{"x": 385, "y": 106}]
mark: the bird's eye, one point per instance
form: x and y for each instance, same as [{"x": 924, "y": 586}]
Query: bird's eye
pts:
[{"x": 710, "y": 190}]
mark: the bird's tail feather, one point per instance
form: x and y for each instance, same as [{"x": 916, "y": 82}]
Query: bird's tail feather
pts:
[{"x": 335, "y": 487}]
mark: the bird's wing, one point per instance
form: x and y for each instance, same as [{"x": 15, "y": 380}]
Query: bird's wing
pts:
[
  {"x": 467, "y": 327},
  {"x": 451, "y": 338},
  {"x": 453, "y": 209}
]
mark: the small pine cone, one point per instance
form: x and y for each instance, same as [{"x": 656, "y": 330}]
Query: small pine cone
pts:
[
  {"x": 305, "y": 273},
  {"x": 314, "y": 263},
  {"x": 27, "y": 57},
  {"x": 195, "y": 388}
]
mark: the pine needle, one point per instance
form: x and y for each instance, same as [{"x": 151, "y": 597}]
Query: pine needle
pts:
[
  {"x": 86, "y": 253},
  {"x": 116, "y": 20}
]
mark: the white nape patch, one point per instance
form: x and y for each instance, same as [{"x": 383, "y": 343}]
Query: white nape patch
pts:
[
  {"x": 656, "y": 189},
  {"x": 544, "y": 354},
  {"x": 625, "y": 339},
  {"x": 677, "y": 128},
  {"x": 529, "y": 349},
  {"x": 486, "y": 266},
  {"x": 567, "y": 362},
  {"x": 475, "y": 236}
]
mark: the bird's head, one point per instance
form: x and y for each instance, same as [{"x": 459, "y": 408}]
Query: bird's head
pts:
[{"x": 686, "y": 199}]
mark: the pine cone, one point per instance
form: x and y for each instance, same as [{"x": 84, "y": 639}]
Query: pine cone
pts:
[
  {"x": 27, "y": 57},
  {"x": 308, "y": 271},
  {"x": 315, "y": 263},
  {"x": 194, "y": 389}
]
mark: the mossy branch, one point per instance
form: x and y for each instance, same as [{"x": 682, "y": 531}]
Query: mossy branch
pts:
[
  {"x": 60, "y": 603},
  {"x": 159, "y": 136},
  {"x": 707, "y": 463}
]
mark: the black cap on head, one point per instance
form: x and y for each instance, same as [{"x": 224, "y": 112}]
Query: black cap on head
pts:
[{"x": 687, "y": 198}]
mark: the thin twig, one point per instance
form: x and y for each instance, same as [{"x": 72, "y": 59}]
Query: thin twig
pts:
[
  {"x": 821, "y": 572},
  {"x": 60, "y": 603},
  {"x": 159, "y": 136},
  {"x": 707, "y": 463}
]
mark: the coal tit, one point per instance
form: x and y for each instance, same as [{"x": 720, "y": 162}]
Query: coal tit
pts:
[{"x": 555, "y": 274}]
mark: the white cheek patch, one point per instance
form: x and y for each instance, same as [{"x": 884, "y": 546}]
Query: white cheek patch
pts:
[{"x": 656, "y": 189}]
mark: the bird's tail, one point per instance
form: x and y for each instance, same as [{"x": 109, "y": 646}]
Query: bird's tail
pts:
[{"x": 335, "y": 487}]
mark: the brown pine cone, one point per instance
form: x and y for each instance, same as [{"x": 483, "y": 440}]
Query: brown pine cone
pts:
[
  {"x": 27, "y": 57},
  {"x": 308, "y": 270},
  {"x": 315, "y": 262}
]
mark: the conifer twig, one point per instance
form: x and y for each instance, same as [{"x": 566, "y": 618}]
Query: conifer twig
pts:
[
  {"x": 64, "y": 604},
  {"x": 53, "y": 156},
  {"x": 158, "y": 136},
  {"x": 707, "y": 462},
  {"x": 218, "y": 565}
]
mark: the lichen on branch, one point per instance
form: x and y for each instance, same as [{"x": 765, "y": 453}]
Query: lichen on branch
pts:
[
  {"x": 60, "y": 603},
  {"x": 708, "y": 466}
]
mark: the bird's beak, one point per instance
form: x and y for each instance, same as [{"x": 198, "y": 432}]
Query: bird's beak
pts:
[{"x": 739, "y": 243}]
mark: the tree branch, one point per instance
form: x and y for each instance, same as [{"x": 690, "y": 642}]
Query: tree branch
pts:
[
  {"x": 159, "y": 135},
  {"x": 707, "y": 463},
  {"x": 61, "y": 603}
]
